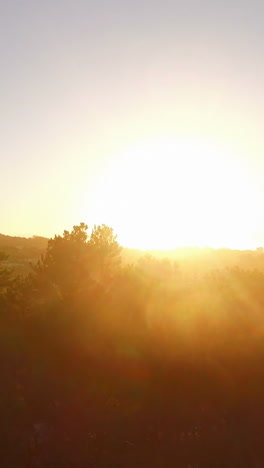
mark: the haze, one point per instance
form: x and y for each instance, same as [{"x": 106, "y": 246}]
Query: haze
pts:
[{"x": 90, "y": 89}]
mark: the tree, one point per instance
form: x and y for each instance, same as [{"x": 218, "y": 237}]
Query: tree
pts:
[
  {"x": 8, "y": 286},
  {"x": 64, "y": 266},
  {"x": 105, "y": 251},
  {"x": 74, "y": 262},
  {"x": 5, "y": 274}
]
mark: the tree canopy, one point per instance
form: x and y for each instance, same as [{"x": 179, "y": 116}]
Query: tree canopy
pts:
[{"x": 76, "y": 260}]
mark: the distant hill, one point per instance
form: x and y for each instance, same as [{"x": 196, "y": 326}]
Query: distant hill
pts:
[
  {"x": 22, "y": 251},
  {"x": 196, "y": 260}
]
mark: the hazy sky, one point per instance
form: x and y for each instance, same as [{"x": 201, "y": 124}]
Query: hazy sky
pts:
[{"x": 82, "y": 81}]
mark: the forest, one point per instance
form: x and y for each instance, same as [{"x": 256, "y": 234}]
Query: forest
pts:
[{"x": 117, "y": 358}]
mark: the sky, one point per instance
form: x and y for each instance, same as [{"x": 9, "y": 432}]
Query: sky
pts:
[{"x": 84, "y": 86}]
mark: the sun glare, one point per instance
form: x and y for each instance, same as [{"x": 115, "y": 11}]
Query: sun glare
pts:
[{"x": 170, "y": 193}]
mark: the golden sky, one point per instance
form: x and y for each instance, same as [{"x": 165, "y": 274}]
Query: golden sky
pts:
[{"x": 147, "y": 116}]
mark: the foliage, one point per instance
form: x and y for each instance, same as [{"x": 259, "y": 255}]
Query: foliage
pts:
[
  {"x": 74, "y": 261},
  {"x": 154, "y": 363},
  {"x": 6, "y": 275}
]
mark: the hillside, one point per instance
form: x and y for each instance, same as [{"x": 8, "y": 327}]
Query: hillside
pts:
[
  {"x": 132, "y": 363},
  {"x": 22, "y": 251}
]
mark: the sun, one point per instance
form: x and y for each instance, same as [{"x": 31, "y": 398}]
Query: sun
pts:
[{"x": 170, "y": 192}]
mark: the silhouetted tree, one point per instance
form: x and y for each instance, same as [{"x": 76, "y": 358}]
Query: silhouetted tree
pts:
[
  {"x": 74, "y": 262},
  {"x": 65, "y": 265},
  {"x": 153, "y": 364},
  {"x": 5, "y": 274},
  {"x": 105, "y": 251}
]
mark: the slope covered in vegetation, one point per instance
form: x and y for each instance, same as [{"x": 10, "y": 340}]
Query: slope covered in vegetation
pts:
[{"x": 112, "y": 363}]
